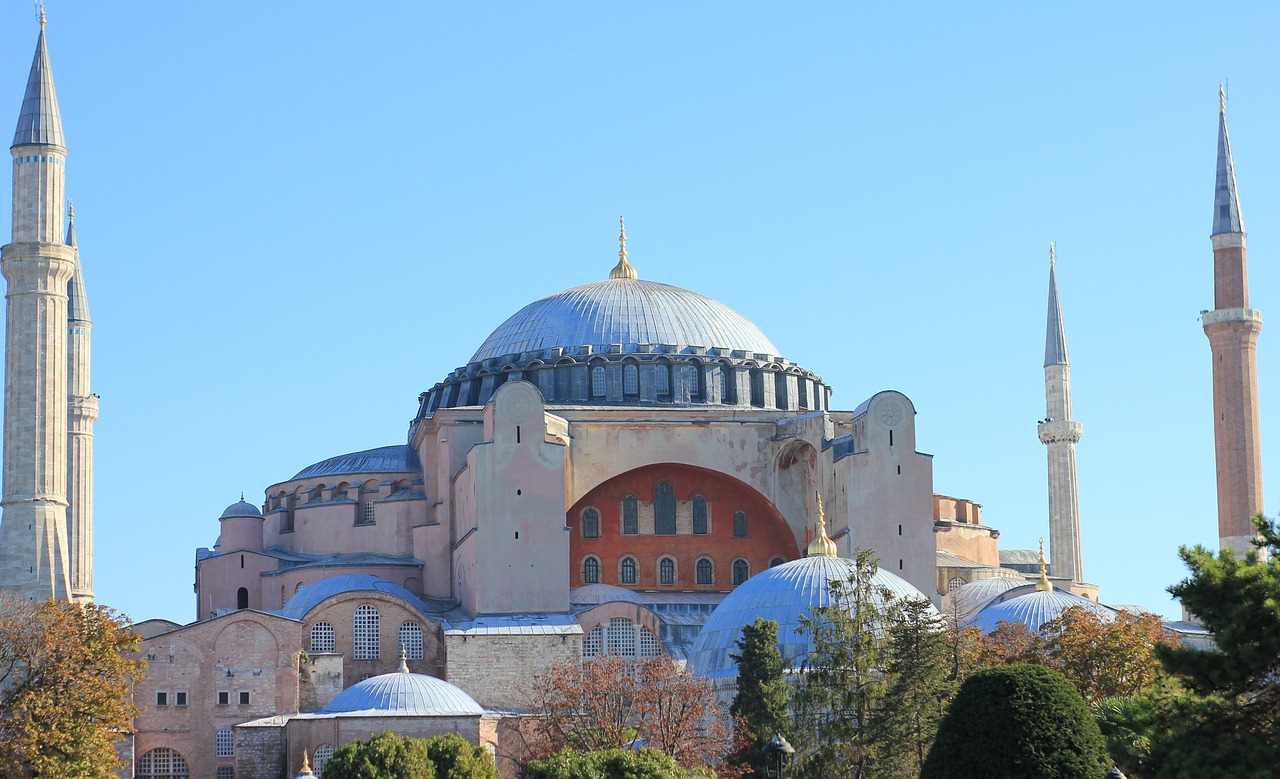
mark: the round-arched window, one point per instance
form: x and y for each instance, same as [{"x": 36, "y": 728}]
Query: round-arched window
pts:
[
  {"x": 705, "y": 572},
  {"x": 591, "y": 571},
  {"x": 741, "y": 571},
  {"x": 162, "y": 763},
  {"x": 667, "y": 571},
  {"x": 628, "y": 570}
]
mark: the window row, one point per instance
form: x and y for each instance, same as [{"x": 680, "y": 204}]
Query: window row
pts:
[
  {"x": 241, "y": 697},
  {"x": 664, "y": 515},
  {"x": 365, "y": 636},
  {"x": 629, "y": 570},
  {"x": 179, "y": 698}
]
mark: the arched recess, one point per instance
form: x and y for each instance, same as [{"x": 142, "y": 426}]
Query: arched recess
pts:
[
  {"x": 769, "y": 534},
  {"x": 602, "y": 614},
  {"x": 797, "y": 480}
]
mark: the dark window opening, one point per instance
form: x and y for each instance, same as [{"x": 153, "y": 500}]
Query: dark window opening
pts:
[
  {"x": 699, "y": 515},
  {"x": 740, "y": 524},
  {"x": 242, "y": 598},
  {"x": 630, "y": 515},
  {"x": 664, "y": 509},
  {"x": 591, "y": 524}
]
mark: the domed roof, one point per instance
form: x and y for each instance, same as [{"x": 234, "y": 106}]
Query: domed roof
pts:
[
  {"x": 312, "y": 595},
  {"x": 783, "y": 594},
  {"x": 385, "y": 459},
  {"x": 404, "y": 694},
  {"x": 1034, "y": 608},
  {"x": 241, "y": 509},
  {"x": 971, "y": 597},
  {"x": 624, "y": 311}
]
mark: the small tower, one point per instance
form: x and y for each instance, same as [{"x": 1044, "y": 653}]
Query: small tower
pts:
[
  {"x": 1059, "y": 433},
  {"x": 34, "y": 548},
  {"x": 1232, "y": 328},
  {"x": 82, "y": 411}
]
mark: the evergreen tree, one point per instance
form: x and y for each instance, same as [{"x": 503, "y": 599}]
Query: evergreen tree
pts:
[
  {"x": 456, "y": 758},
  {"x": 920, "y": 685},
  {"x": 1017, "y": 721},
  {"x": 384, "y": 756},
  {"x": 761, "y": 701},
  {"x": 643, "y": 763},
  {"x": 842, "y": 681}
]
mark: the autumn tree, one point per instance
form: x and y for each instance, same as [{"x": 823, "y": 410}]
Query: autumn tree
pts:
[
  {"x": 760, "y": 704},
  {"x": 842, "y": 681},
  {"x": 1105, "y": 658},
  {"x": 66, "y": 677},
  {"x": 606, "y": 702}
]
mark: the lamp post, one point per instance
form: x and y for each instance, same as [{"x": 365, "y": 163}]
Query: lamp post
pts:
[{"x": 781, "y": 747}]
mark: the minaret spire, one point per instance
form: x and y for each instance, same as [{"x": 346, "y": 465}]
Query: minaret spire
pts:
[
  {"x": 1060, "y": 434},
  {"x": 1232, "y": 328},
  {"x": 82, "y": 412}
]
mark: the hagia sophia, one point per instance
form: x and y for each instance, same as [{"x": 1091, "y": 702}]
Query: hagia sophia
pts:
[{"x": 624, "y": 467}]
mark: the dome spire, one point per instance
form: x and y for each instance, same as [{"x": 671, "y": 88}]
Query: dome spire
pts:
[
  {"x": 821, "y": 545},
  {"x": 306, "y": 767},
  {"x": 404, "y": 659},
  {"x": 623, "y": 269},
  {"x": 1042, "y": 584}
]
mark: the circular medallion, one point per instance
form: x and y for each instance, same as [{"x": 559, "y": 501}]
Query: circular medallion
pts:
[
  {"x": 519, "y": 404},
  {"x": 889, "y": 413}
]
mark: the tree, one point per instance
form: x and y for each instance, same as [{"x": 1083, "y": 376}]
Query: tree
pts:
[
  {"x": 1011, "y": 642},
  {"x": 842, "y": 682},
  {"x": 384, "y": 756},
  {"x": 643, "y": 763},
  {"x": 456, "y": 758},
  {"x": 1105, "y": 659},
  {"x": 919, "y": 663},
  {"x": 606, "y": 702},
  {"x": 1017, "y": 721},
  {"x": 760, "y": 704},
  {"x": 66, "y": 679}
]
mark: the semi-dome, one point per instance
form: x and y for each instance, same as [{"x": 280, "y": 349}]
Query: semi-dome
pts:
[
  {"x": 1033, "y": 608},
  {"x": 242, "y": 508},
  {"x": 385, "y": 459},
  {"x": 624, "y": 311},
  {"x": 783, "y": 594},
  {"x": 313, "y": 595},
  {"x": 404, "y": 694}
]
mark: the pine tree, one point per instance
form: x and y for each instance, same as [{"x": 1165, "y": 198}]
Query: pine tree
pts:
[{"x": 761, "y": 701}]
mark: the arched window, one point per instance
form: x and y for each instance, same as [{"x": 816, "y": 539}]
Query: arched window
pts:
[
  {"x": 741, "y": 571},
  {"x": 648, "y": 643},
  {"x": 591, "y": 570},
  {"x": 775, "y": 561},
  {"x": 299, "y": 587},
  {"x": 662, "y": 379},
  {"x": 723, "y": 377},
  {"x": 955, "y": 584},
  {"x": 597, "y": 381},
  {"x": 621, "y": 637},
  {"x": 364, "y": 633},
  {"x": 694, "y": 373},
  {"x": 321, "y": 758},
  {"x": 664, "y": 509},
  {"x": 699, "y": 515},
  {"x": 322, "y": 637},
  {"x": 224, "y": 744},
  {"x": 630, "y": 515},
  {"x": 242, "y": 598},
  {"x": 630, "y": 379},
  {"x": 368, "y": 513},
  {"x": 162, "y": 763},
  {"x": 705, "y": 572},
  {"x": 410, "y": 639},
  {"x": 740, "y": 524},
  {"x": 591, "y": 524},
  {"x": 628, "y": 570},
  {"x": 666, "y": 571}
]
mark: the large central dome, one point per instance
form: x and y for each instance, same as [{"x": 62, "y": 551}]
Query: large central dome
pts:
[{"x": 624, "y": 311}]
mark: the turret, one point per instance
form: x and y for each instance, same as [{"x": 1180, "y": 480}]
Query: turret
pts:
[{"x": 242, "y": 526}]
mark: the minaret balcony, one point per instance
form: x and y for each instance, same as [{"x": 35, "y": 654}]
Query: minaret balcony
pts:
[
  {"x": 1059, "y": 431},
  {"x": 1209, "y": 318}
]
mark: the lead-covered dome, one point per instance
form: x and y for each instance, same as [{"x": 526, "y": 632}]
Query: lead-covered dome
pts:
[
  {"x": 1033, "y": 608},
  {"x": 784, "y": 594},
  {"x": 404, "y": 694},
  {"x": 624, "y": 311}
]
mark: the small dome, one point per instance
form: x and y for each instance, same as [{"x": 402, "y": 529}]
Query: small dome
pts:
[
  {"x": 385, "y": 459},
  {"x": 404, "y": 694},
  {"x": 624, "y": 311},
  {"x": 241, "y": 509},
  {"x": 783, "y": 594},
  {"x": 1033, "y": 608},
  {"x": 972, "y": 597}
]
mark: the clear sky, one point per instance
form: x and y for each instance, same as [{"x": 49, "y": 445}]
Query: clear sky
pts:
[{"x": 294, "y": 217}]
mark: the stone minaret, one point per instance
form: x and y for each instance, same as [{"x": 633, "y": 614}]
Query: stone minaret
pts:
[
  {"x": 1060, "y": 434},
  {"x": 1232, "y": 328},
  {"x": 82, "y": 411},
  {"x": 34, "y": 548}
]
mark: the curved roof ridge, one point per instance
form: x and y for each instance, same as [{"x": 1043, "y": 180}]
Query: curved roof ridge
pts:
[{"x": 397, "y": 458}]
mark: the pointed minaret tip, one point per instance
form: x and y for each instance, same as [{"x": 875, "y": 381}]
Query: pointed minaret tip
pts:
[
  {"x": 623, "y": 269},
  {"x": 1055, "y": 338},
  {"x": 71, "y": 224},
  {"x": 40, "y": 123},
  {"x": 1227, "y": 217}
]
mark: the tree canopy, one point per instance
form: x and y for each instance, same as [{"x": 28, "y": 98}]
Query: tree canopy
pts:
[
  {"x": 643, "y": 763},
  {"x": 66, "y": 688},
  {"x": 760, "y": 704}
]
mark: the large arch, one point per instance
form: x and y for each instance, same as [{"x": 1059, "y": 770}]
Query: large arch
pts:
[{"x": 766, "y": 534}]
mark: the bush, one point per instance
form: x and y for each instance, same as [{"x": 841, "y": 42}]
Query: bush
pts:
[
  {"x": 1017, "y": 721},
  {"x": 643, "y": 763}
]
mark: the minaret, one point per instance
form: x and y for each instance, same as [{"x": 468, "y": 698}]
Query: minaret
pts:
[
  {"x": 1232, "y": 328},
  {"x": 82, "y": 411},
  {"x": 34, "y": 550},
  {"x": 1060, "y": 434}
]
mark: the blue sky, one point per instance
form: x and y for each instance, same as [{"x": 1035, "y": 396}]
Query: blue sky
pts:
[{"x": 295, "y": 217}]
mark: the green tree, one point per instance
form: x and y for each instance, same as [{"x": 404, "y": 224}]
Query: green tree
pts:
[
  {"x": 919, "y": 665},
  {"x": 66, "y": 688},
  {"x": 384, "y": 756},
  {"x": 760, "y": 703},
  {"x": 1017, "y": 721},
  {"x": 643, "y": 763},
  {"x": 842, "y": 681},
  {"x": 456, "y": 758}
]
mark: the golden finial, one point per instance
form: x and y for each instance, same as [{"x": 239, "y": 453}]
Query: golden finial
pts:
[
  {"x": 1043, "y": 585},
  {"x": 71, "y": 210},
  {"x": 306, "y": 762},
  {"x": 42, "y": 16},
  {"x": 1222, "y": 97},
  {"x": 1052, "y": 251},
  {"x": 821, "y": 545},
  {"x": 623, "y": 269}
]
